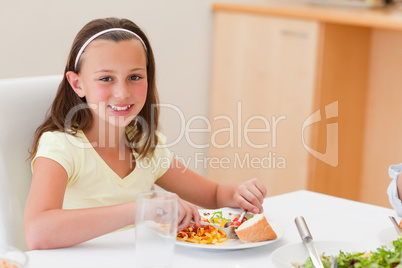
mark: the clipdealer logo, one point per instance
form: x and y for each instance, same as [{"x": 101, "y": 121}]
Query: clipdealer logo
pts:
[
  {"x": 330, "y": 156},
  {"x": 235, "y": 135}
]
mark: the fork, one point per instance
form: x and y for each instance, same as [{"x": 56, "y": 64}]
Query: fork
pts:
[
  {"x": 334, "y": 263},
  {"x": 396, "y": 225},
  {"x": 242, "y": 215}
]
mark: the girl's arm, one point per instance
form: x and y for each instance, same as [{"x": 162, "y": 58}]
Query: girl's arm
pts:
[
  {"x": 208, "y": 194},
  {"x": 47, "y": 225}
]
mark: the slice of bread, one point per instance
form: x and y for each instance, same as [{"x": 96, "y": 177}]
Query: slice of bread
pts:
[{"x": 256, "y": 229}]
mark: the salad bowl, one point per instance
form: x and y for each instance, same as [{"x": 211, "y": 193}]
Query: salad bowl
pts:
[{"x": 294, "y": 255}]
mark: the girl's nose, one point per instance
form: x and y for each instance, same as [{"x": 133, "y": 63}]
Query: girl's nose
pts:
[{"x": 122, "y": 90}]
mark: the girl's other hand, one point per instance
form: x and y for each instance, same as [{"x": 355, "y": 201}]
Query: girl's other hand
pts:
[
  {"x": 250, "y": 195},
  {"x": 187, "y": 212}
]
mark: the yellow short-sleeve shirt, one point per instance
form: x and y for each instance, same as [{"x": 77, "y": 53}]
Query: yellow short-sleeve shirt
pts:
[{"x": 91, "y": 182}]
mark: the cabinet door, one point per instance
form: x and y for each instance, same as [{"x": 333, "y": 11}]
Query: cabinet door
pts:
[{"x": 261, "y": 93}]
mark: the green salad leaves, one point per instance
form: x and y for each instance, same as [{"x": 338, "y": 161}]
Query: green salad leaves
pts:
[
  {"x": 217, "y": 217},
  {"x": 382, "y": 257}
]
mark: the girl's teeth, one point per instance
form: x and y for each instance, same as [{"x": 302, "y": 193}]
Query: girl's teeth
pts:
[{"x": 119, "y": 108}]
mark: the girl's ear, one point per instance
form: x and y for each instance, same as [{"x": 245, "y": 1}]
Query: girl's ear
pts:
[{"x": 74, "y": 81}]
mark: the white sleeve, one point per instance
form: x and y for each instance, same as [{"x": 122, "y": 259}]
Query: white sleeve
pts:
[{"x": 392, "y": 191}]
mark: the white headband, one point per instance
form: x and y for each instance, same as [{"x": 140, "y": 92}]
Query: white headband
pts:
[{"x": 100, "y": 33}]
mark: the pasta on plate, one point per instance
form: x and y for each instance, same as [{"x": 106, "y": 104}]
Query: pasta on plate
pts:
[{"x": 202, "y": 235}]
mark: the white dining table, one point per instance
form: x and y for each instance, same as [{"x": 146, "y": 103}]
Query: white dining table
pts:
[{"x": 329, "y": 219}]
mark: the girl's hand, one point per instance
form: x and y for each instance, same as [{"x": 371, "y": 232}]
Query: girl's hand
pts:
[
  {"x": 250, "y": 195},
  {"x": 187, "y": 212}
]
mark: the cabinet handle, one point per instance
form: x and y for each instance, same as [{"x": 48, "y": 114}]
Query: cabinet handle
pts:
[{"x": 292, "y": 33}]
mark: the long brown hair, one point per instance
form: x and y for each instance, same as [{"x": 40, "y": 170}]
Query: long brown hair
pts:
[{"x": 141, "y": 132}]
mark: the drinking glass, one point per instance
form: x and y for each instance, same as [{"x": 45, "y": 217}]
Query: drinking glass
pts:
[
  {"x": 12, "y": 257},
  {"x": 155, "y": 229}
]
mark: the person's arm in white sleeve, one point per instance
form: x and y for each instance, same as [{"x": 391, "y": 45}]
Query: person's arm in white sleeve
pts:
[{"x": 393, "y": 193}]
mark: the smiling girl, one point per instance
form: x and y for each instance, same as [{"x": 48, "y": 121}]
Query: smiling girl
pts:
[{"x": 99, "y": 146}]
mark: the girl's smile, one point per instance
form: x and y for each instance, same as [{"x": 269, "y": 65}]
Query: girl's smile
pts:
[{"x": 120, "y": 108}]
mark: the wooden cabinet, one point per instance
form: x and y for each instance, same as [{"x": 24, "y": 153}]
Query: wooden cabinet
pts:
[
  {"x": 307, "y": 97},
  {"x": 262, "y": 91}
]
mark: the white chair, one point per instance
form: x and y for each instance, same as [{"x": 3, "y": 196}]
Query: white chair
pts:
[{"x": 24, "y": 103}]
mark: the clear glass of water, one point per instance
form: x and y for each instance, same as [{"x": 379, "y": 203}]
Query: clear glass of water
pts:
[
  {"x": 155, "y": 229},
  {"x": 12, "y": 257}
]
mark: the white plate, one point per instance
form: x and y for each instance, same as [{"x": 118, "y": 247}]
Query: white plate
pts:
[
  {"x": 387, "y": 235},
  {"x": 283, "y": 257},
  {"x": 234, "y": 243}
]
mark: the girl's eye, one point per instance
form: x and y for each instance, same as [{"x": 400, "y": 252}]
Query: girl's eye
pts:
[
  {"x": 106, "y": 79},
  {"x": 135, "y": 77}
]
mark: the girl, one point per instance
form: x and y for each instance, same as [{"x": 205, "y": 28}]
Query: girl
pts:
[{"x": 99, "y": 146}]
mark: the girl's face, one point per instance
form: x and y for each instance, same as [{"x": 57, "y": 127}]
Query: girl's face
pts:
[{"x": 113, "y": 79}]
